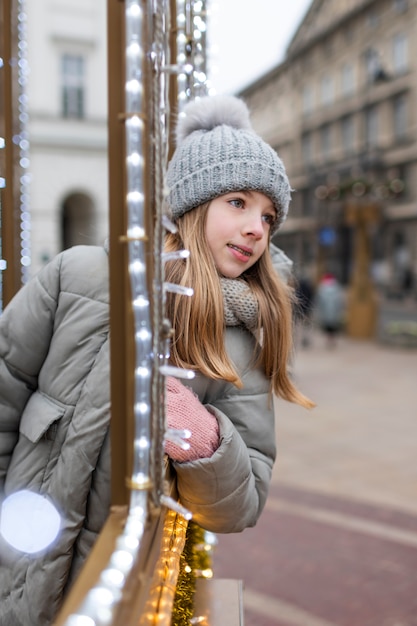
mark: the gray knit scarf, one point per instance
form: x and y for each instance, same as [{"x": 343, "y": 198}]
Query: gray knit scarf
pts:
[{"x": 240, "y": 304}]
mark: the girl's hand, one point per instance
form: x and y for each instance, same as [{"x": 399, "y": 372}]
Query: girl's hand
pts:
[{"x": 185, "y": 411}]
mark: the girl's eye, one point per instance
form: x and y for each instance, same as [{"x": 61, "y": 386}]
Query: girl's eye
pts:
[
  {"x": 237, "y": 202},
  {"x": 270, "y": 219}
]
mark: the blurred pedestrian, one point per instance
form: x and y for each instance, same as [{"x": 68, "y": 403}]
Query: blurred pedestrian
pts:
[
  {"x": 330, "y": 308},
  {"x": 303, "y": 309}
]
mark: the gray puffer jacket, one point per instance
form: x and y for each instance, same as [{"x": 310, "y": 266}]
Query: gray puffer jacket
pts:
[{"x": 54, "y": 421}]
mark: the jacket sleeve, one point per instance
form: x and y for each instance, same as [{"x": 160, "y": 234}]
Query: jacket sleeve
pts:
[
  {"x": 26, "y": 327},
  {"x": 227, "y": 492}
]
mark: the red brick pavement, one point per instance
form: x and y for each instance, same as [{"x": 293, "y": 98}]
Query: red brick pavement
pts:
[{"x": 326, "y": 572}]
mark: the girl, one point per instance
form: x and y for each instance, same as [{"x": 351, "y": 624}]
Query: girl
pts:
[{"x": 228, "y": 193}]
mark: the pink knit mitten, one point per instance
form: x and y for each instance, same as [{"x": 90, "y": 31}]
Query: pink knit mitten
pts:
[{"x": 185, "y": 411}]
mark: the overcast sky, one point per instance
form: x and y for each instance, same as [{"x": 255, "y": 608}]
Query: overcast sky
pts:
[{"x": 249, "y": 37}]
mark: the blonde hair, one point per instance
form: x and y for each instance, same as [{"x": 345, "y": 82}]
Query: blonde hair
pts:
[{"x": 199, "y": 324}]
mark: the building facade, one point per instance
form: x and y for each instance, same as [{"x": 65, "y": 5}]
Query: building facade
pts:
[
  {"x": 67, "y": 125},
  {"x": 341, "y": 111}
]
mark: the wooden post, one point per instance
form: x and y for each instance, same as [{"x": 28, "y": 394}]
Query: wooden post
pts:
[
  {"x": 121, "y": 323},
  {"x": 362, "y": 302},
  {"x": 10, "y": 230}
]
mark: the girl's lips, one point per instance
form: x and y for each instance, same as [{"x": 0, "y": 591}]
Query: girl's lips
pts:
[{"x": 241, "y": 253}]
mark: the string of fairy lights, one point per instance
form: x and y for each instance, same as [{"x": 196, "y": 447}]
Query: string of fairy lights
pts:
[
  {"x": 100, "y": 603},
  {"x": 22, "y": 140},
  {"x": 192, "y": 76}
]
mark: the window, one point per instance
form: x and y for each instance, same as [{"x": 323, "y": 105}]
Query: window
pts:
[
  {"x": 400, "y": 6},
  {"x": 308, "y": 101},
  {"x": 307, "y": 149},
  {"x": 349, "y": 34},
  {"x": 327, "y": 90},
  {"x": 400, "y": 117},
  {"x": 308, "y": 202},
  {"x": 373, "y": 19},
  {"x": 326, "y": 141},
  {"x": 348, "y": 79},
  {"x": 371, "y": 127},
  {"x": 400, "y": 53},
  {"x": 72, "y": 77},
  {"x": 348, "y": 134},
  {"x": 372, "y": 64}
]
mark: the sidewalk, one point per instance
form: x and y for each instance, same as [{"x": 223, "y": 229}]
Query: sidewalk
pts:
[
  {"x": 361, "y": 439},
  {"x": 337, "y": 542}
]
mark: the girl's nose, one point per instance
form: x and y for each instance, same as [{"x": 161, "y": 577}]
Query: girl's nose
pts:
[{"x": 254, "y": 226}]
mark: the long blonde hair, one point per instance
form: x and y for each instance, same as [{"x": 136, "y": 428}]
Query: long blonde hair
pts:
[{"x": 199, "y": 324}]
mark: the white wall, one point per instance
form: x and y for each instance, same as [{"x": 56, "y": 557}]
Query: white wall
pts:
[{"x": 66, "y": 156}]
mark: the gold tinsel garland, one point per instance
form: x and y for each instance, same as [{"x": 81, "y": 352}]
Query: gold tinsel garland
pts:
[
  {"x": 195, "y": 562},
  {"x": 185, "y": 555}
]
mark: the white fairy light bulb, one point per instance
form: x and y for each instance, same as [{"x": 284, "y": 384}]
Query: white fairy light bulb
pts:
[{"x": 29, "y": 522}]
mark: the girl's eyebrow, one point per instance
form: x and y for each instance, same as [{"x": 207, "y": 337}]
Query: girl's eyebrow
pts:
[{"x": 249, "y": 192}]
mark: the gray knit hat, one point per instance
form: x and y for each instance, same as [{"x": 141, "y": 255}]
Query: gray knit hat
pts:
[{"x": 218, "y": 152}]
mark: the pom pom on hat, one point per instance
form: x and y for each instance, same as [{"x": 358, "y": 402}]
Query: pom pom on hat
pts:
[
  {"x": 212, "y": 112},
  {"x": 218, "y": 152}
]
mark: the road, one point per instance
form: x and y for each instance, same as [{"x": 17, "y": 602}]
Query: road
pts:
[{"x": 337, "y": 542}]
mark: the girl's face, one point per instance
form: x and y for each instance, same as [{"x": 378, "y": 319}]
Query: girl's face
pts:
[{"x": 237, "y": 230}]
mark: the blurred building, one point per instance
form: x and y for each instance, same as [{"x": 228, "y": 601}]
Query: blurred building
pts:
[
  {"x": 341, "y": 111},
  {"x": 67, "y": 124}
]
